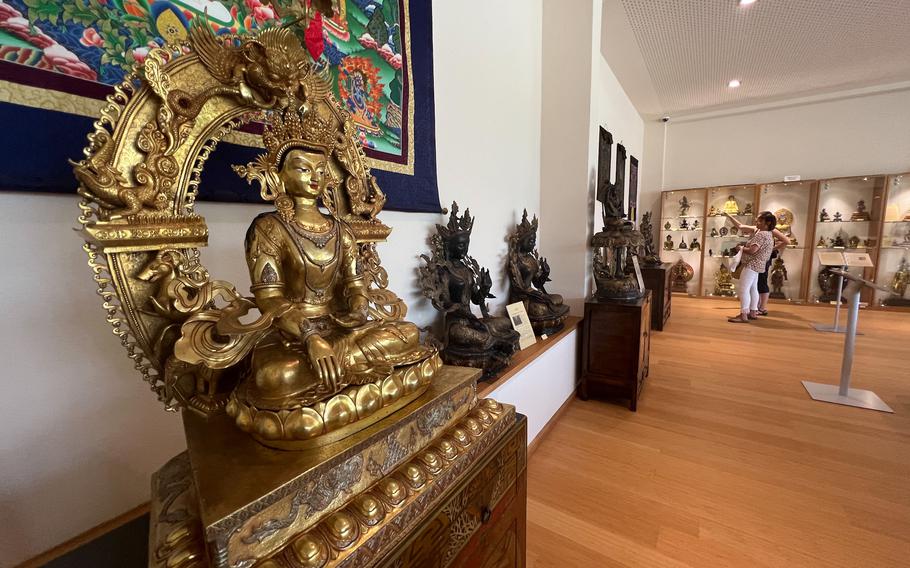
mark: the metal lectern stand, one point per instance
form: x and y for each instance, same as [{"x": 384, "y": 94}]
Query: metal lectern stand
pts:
[{"x": 842, "y": 393}]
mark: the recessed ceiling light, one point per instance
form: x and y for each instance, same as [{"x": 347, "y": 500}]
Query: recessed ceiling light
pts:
[
  {"x": 746, "y": 2},
  {"x": 734, "y": 83}
]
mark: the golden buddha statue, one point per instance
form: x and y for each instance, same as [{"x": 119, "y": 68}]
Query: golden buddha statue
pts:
[
  {"x": 899, "y": 283},
  {"x": 314, "y": 338},
  {"x": 723, "y": 282},
  {"x": 731, "y": 206}
]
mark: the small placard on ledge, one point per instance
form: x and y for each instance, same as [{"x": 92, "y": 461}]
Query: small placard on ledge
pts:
[
  {"x": 522, "y": 324},
  {"x": 792, "y": 178}
]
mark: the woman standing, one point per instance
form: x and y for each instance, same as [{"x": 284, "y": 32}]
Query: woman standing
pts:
[
  {"x": 781, "y": 241},
  {"x": 756, "y": 254}
]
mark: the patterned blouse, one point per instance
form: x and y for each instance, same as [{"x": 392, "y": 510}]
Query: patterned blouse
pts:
[{"x": 765, "y": 243}]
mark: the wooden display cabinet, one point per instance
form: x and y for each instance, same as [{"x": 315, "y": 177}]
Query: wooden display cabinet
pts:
[
  {"x": 616, "y": 344},
  {"x": 657, "y": 280}
]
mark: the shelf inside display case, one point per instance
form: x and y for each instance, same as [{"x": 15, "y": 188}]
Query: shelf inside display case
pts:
[
  {"x": 683, "y": 207},
  {"x": 858, "y": 200},
  {"x": 793, "y": 203}
]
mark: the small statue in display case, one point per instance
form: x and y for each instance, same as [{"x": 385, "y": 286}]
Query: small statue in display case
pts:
[
  {"x": 680, "y": 275},
  {"x": 822, "y": 243},
  {"x": 747, "y": 210},
  {"x": 861, "y": 214},
  {"x": 453, "y": 281},
  {"x": 869, "y": 243},
  {"x": 838, "y": 217},
  {"x": 695, "y": 245},
  {"x": 648, "y": 253},
  {"x": 682, "y": 243},
  {"x": 668, "y": 243},
  {"x": 853, "y": 242},
  {"x": 710, "y": 252},
  {"x": 734, "y": 230},
  {"x": 528, "y": 274},
  {"x": 683, "y": 206},
  {"x": 667, "y": 226},
  {"x": 726, "y": 252},
  {"x": 827, "y": 282},
  {"x": 712, "y": 212},
  {"x": 724, "y": 231},
  {"x": 713, "y": 232},
  {"x": 723, "y": 282},
  {"x": 838, "y": 242},
  {"x": 731, "y": 206},
  {"x": 899, "y": 283},
  {"x": 778, "y": 277},
  {"x": 683, "y": 225},
  {"x": 823, "y": 216},
  {"x": 695, "y": 224}
]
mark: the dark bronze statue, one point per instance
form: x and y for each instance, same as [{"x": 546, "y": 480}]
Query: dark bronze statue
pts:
[
  {"x": 452, "y": 280},
  {"x": 618, "y": 241},
  {"x": 648, "y": 253},
  {"x": 528, "y": 273}
]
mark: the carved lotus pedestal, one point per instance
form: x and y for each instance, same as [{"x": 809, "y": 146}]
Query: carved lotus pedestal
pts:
[{"x": 440, "y": 482}]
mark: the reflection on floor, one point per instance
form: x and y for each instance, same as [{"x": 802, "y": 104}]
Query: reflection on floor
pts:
[{"x": 728, "y": 462}]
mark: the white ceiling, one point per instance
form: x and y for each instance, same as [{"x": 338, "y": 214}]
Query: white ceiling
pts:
[{"x": 676, "y": 56}]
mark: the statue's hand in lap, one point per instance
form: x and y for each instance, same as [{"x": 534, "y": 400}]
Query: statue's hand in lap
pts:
[
  {"x": 353, "y": 319},
  {"x": 323, "y": 360}
]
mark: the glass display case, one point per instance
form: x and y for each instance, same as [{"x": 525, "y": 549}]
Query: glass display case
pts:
[
  {"x": 893, "y": 268},
  {"x": 793, "y": 205},
  {"x": 721, "y": 236},
  {"x": 682, "y": 224},
  {"x": 848, "y": 218}
]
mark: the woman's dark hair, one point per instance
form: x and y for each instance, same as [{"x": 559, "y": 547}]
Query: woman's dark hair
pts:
[{"x": 769, "y": 219}]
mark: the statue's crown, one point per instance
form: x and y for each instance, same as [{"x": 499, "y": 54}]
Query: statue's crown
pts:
[
  {"x": 297, "y": 128},
  {"x": 457, "y": 225},
  {"x": 526, "y": 227}
]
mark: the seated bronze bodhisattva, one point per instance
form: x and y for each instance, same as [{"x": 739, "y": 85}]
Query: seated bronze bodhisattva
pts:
[
  {"x": 453, "y": 280},
  {"x": 528, "y": 274}
]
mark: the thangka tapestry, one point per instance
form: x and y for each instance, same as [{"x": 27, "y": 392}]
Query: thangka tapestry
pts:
[{"x": 59, "y": 59}]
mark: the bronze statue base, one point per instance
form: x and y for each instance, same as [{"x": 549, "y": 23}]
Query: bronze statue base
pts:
[
  {"x": 231, "y": 502},
  {"x": 897, "y": 302},
  {"x": 864, "y": 216},
  {"x": 777, "y": 295},
  {"x": 549, "y": 325},
  {"x": 490, "y": 362},
  {"x": 625, "y": 288}
]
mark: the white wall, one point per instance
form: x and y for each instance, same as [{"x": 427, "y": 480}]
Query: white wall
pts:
[
  {"x": 551, "y": 376},
  {"x": 82, "y": 434},
  {"x": 617, "y": 114},
  {"x": 849, "y": 136}
]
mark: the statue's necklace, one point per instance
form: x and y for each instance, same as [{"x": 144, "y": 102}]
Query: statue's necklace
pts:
[{"x": 318, "y": 238}]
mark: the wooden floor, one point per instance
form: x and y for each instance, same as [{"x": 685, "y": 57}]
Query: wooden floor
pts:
[{"x": 728, "y": 462}]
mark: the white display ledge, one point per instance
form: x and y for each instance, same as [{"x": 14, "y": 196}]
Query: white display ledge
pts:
[{"x": 541, "y": 379}]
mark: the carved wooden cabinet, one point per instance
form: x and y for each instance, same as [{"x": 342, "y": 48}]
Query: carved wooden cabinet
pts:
[
  {"x": 657, "y": 279},
  {"x": 616, "y": 342},
  {"x": 482, "y": 523}
]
